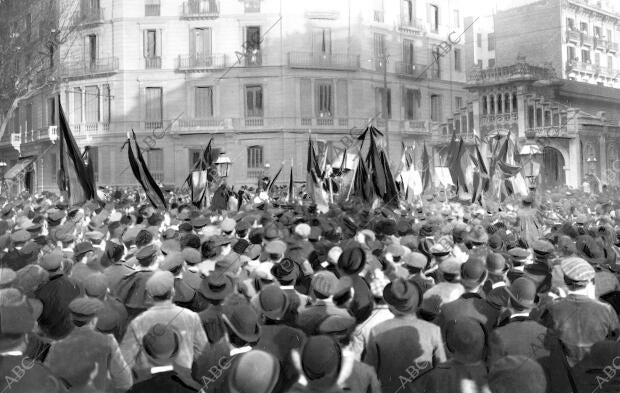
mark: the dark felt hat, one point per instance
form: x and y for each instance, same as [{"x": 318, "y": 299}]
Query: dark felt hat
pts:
[
  {"x": 244, "y": 378},
  {"x": 242, "y": 320},
  {"x": 321, "y": 360},
  {"x": 273, "y": 302},
  {"x": 403, "y": 295},
  {"x": 473, "y": 272},
  {"x": 522, "y": 293},
  {"x": 352, "y": 260},
  {"x": 216, "y": 286},
  {"x": 286, "y": 270}
]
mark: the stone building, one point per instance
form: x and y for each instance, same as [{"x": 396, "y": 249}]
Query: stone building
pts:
[{"x": 256, "y": 75}]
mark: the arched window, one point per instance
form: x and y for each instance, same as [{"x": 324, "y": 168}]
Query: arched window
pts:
[
  {"x": 514, "y": 102},
  {"x": 483, "y": 103},
  {"x": 507, "y": 103},
  {"x": 491, "y": 104},
  {"x": 500, "y": 104},
  {"x": 539, "y": 117}
]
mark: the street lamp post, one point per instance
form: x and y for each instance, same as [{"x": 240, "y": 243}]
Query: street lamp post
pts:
[{"x": 223, "y": 164}]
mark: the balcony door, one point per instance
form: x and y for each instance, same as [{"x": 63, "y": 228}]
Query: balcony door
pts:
[
  {"x": 408, "y": 52},
  {"x": 322, "y": 41},
  {"x": 200, "y": 43},
  {"x": 91, "y": 50}
]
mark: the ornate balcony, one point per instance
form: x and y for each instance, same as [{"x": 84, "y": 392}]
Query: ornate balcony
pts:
[
  {"x": 90, "y": 129},
  {"x": 580, "y": 66},
  {"x": 410, "y": 70},
  {"x": 196, "y": 63},
  {"x": 587, "y": 40},
  {"x": 517, "y": 71},
  {"x": 200, "y": 9},
  {"x": 82, "y": 69},
  {"x": 331, "y": 61},
  {"x": 413, "y": 26}
]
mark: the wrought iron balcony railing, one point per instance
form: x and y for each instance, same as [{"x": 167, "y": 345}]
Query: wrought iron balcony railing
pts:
[
  {"x": 89, "y": 68},
  {"x": 410, "y": 70},
  {"x": 334, "y": 61},
  {"x": 199, "y": 62},
  {"x": 199, "y": 9}
]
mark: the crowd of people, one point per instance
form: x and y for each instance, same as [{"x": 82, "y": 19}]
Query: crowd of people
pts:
[{"x": 266, "y": 296}]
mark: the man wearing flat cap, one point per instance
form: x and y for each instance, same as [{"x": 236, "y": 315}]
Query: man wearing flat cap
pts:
[
  {"x": 579, "y": 320},
  {"x": 112, "y": 371},
  {"x": 160, "y": 287}
]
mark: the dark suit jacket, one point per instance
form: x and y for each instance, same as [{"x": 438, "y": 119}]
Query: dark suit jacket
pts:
[
  {"x": 56, "y": 294},
  {"x": 469, "y": 305}
]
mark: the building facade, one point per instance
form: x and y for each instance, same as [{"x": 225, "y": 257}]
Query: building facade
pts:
[
  {"x": 255, "y": 75},
  {"x": 573, "y": 122},
  {"x": 578, "y": 38}
]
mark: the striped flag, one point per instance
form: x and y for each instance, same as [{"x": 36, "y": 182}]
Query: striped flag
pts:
[
  {"x": 143, "y": 175},
  {"x": 73, "y": 174}
]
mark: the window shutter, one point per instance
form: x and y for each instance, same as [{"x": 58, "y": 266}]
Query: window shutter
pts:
[
  {"x": 207, "y": 43},
  {"x": 317, "y": 36},
  {"x": 328, "y": 40},
  {"x": 192, "y": 42},
  {"x": 158, "y": 51},
  {"x": 305, "y": 98},
  {"x": 146, "y": 43},
  {"x": 342, "y": 101}
]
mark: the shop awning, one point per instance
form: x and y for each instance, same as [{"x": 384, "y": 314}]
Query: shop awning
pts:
[{"x": 18, "y": 168}]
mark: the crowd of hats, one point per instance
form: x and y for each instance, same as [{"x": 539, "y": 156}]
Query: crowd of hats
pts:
[{"x": 273, "y": 248}]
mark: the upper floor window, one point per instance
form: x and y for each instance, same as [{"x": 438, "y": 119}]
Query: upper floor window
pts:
[
  {"x": 408, "y": 11},
  {"x": 479, "y": 40},
  {"x": 255, "y": 157},
  {"x": 436, "y": 107},
  {"x": 204, "y": 102},
  {"x": 251, "y": 5},
  {"x": 457, "y": 59},
  {"x": 570, "y": 23},
  {"x": 434, "y": 17},
  {"x": 252, "y": 45},
  {"x": 152, "y": 7},
  {"x": 457, "y": 18},
  {"x": 597, "y": 32},
  {"x": 583, "y": 26},
  {"x": 254, "y": 101},
  {"x": 152, "y": 48},
  {"x": 491, "y": 41},
  {"x": 324, "y": 98},
  {"x": 322, "y": 41},
  {"x": 154, "y": 107}
]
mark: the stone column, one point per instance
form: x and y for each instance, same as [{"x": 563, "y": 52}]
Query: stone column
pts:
[{"x": 573, "y": 163}]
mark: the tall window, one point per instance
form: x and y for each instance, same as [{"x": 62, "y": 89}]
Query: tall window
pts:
[
  {"x": 434, "y": 17},
  {"x": 255, "y": 157},
  {"x": 436, "y": 67},
  {"x": 200, "y": 43},
  {"x": 92, "y": 48},
  {"x": 252, "y": 45},
  {"x": 380, "y": 101},
  {"x": 585, "y": 56},
  {"x": 152, "y": 7},
  {"x": 28, "y": 121},
  {"x": 77, "y": 105},
  {"x": 154, "y": 107},
  {"x": 457, "y": 59},
  {"x": 458, "y": 102},
  {"x": 597, "y": 58},
  {"x": 194, "y": 157},
  {"x": 155, "y": 161},
  {"x": 610, "y": 63},
  {"x": 479, "y": 40},
  {"x": 570, "y": 53},
  {"x": 152, "y": 48},
  {"x": 91, "y": 101},
  {"x": 251, "y": 5},
  {"x": 105, "y": 104},
  {"x": 609, "y": 35},
  {"x": 583, "y": 26},
  {"x": 491, "y": 63},
  {"x": 324, "y": 99},
  {"x": 379, "y": 49},
  {"x": 51, "y": 111},
  {"x": 204, "y": 102},
  {"x": 457, "y": 18},
  {"x": 570, "y": 23},
  {"x": 254, "y": 101},
  {"x": 93, "y": 151},
  {"x": 408, "y": 11},
  {"x": 491, "y": 43},
  {"x": 436, "y": 107},
  {"x": 322, "y": 41},
  {"x": 597, "y": 32},
  {"x": 408, "y": 52},
  {"x": 412, "y": 104},
  {"x": 483, "y": 104}
]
